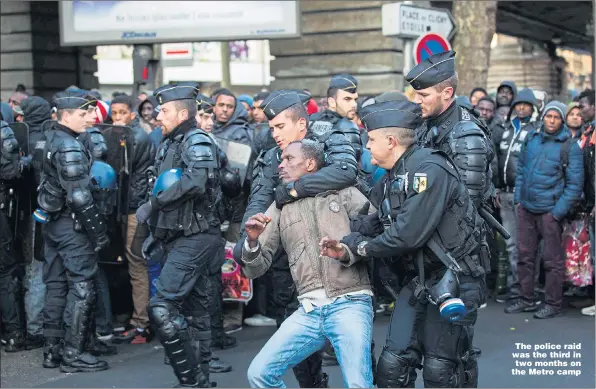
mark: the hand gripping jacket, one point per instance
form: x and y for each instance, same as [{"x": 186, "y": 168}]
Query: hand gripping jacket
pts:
[
  {"x": 66, "y": 181},
  {"x": 189, "y": 204},
  {"x": 9, "y": 153}
]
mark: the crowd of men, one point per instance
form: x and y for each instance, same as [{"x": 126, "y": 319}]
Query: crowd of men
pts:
[{"x": 336, "y": 207}]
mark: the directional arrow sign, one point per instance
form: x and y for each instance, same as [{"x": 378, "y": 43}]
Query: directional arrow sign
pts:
[{"x": 412, "y": 21}]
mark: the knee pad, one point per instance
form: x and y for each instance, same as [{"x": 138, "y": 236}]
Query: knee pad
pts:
[
  {"x": 440, "y": 373},
  {"x": 168, "y": 322},
  {"x": 394, "y": 371},
  {"x": 85, "y": 291}
]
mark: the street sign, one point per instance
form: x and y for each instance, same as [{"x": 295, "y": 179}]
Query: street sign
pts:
[
  {"x": 428, "y": 45},
  {"x": 412, "y": 21}
]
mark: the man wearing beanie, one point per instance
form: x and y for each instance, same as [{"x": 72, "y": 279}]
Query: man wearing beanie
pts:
[
  {"x": 549, "y": 180},
  {"x": 508, "y": 138}
]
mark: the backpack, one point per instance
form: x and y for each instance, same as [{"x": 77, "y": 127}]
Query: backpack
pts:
[{"x": 565, "y": 150}]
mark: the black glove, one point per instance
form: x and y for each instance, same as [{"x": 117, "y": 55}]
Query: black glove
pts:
[
  {"x": 147, "y": 246},
  {"x": 353, "y": 240},
  {"x": 365, "y": 224},
  {"x": 144, "y": 212},
  {"x": 282, "y": 196},
  {"x": 101, "y": 241}
]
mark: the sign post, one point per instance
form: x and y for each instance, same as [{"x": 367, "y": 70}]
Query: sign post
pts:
[{"x": 411, "y": 22}]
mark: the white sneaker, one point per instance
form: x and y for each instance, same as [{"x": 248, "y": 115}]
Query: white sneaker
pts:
[
  {"x": 589, "y": 311},
  {"x": 260, "y": 321},
  {"x": 104, "y": 337},
  {"x": 482, "y": 306}
]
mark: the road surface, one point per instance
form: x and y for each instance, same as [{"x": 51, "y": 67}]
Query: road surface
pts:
[{"x": 141, "y": 366}]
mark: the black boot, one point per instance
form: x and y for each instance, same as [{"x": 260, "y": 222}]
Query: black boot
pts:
[
  {"x": 14, "y": 342},
  {"x": 33, "y": 341},
  {"x": 98, "y": 348},
  {"x": 52, "y": 353},
  {"x": 94, "y": 345},
  {"x": 216, "y": 365},
  {"x": 75, "y": 358},
  {"x": 223, "y": 341}
]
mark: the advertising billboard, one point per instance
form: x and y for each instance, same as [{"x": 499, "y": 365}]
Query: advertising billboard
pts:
[{"x": 91, "y": 23}]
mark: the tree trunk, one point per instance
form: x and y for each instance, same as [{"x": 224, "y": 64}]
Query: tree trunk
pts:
[{"x": 476, "y": 25}]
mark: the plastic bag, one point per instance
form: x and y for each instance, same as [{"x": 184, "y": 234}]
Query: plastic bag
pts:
[
  {"x": 576, "y": 243},
  {"x": 236, "y": 286}
]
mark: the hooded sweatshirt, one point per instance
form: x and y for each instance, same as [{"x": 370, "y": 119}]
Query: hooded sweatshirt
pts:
[
  {"x": 236, "y": 128},
  {"x": 509, "y": 138}
]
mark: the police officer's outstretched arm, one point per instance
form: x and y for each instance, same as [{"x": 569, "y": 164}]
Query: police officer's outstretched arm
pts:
[
  {"x": 73, "y": 168},
  {"x": 428, "y": 194},
  {"x": 199, "y": 156},
  {"x": 340, "y": 171},
  {"x": 9, "y": 153}
]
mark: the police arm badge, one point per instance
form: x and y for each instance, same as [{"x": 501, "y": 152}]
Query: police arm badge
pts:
[{"x": 420, "y": 182}]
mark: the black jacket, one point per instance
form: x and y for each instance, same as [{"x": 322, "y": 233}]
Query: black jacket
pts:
[
  {"x": 508, "y": 144},
  {"x": 237, "y": 129},
  {"x": 143, "y": 157}
]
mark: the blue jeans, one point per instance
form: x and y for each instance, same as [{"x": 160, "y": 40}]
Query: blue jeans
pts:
[
  {"x": 35, "y": 297},
  {"x": 347, "y": 323}
]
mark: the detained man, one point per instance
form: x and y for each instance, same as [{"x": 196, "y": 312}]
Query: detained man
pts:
[{"x": 335, "y": 294}]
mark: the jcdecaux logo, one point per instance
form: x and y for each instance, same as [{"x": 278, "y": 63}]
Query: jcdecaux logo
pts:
[{"x": 136, "y": 35}]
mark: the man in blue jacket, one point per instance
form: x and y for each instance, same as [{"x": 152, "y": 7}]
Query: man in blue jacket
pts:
[{"x": 549, "y": 180}]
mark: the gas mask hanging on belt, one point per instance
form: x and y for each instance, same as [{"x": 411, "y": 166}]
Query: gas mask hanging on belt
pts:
[{"x": 445, "y": 294}]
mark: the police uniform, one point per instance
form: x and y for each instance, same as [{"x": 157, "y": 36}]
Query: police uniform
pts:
[
  {"x": 10, "y": 285},
  {"x": 463, "y": 137},
  {"x": 74, "y": 231},
  {"x": 323, "y": 122},
  {"x": 183, "y": 219},
  {"x": 437, "y": 250}
]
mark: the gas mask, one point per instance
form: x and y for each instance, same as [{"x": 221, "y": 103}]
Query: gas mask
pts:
[{"x": 445, "y": 294}]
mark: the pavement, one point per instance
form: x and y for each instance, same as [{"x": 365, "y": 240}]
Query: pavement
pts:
[{"x": 141, "y": 366}]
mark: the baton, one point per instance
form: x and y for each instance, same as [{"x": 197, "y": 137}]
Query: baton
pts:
[{"x": 493, "y": 222}]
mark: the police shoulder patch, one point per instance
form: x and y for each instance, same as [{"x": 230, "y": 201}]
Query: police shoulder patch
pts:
[{"x": 420, "y": 182}]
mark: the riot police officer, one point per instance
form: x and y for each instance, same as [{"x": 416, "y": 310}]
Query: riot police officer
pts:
[
  {"x": 435, "y": 312},
  {"x": 74, "y": 231},
  {"x": 451, "y": 127},
  {"x": 13, "y": 316},
  {"x": 456, "y": 131},
  {"x": 182, "y": 219},
  {"x": 288, "y": 120},
  {"x": 342, "y": 96}
]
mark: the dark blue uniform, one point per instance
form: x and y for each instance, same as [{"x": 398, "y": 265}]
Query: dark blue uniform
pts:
[
  {"x": 10, "y": 283},
  {"x": 73, "y": 233},
  {"x": 184, "y": 221}
]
